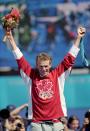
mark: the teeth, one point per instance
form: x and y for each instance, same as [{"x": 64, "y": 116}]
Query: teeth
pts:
[{"x": 82, "y": 32}]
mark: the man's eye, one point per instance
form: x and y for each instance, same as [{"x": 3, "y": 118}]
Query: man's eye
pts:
[{"x": 41, "y": 66}]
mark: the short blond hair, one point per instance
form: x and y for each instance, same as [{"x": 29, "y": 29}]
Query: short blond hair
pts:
[{"x": 43, "y": 56}]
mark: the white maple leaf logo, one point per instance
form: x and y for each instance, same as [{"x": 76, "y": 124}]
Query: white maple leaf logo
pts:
[{"x": 44, "y": 88}]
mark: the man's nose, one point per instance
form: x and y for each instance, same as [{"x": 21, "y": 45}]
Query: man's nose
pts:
[{"x": 43, "y": 68}]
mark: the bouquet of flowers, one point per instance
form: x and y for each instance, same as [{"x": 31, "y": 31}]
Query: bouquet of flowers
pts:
[{"x": 10, "y": 21}]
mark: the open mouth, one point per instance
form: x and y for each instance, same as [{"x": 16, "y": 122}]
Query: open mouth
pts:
[{"x": 82, "y": 33}]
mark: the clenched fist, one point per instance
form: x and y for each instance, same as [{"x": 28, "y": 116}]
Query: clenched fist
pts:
[{"x": 81, "y": 31}]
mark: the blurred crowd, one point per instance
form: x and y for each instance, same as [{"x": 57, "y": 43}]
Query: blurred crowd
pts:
[
  {"x": 51, "y": 29},
  {"x": 11, "y": 119}
]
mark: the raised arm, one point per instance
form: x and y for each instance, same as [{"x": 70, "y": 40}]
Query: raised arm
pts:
[
  {"x": 69, "y": 59},
  {"x": 24, "y": 67},
  {"x": 18, "y": 109}
]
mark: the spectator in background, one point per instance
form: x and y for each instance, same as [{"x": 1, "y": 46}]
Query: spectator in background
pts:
[
  {"x": 46, "y": 92},
  {"x": 73, "y": 123},
  {"x": 51, "y": 34},
  {"x": 16, "y": 124},
  {"x": 65, "y": 26},
  {"x": 24, "y": 27},
  {"x": 64, "y": 120},
  {"x": 86, "y": 122},
  {"x": 11, "y": 107},
  {"x": 11, "y": 119}
]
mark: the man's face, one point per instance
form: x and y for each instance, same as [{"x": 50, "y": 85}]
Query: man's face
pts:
[{"x": 43, "y": 67}]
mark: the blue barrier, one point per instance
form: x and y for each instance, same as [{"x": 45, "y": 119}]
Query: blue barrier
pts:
[{"x": 77, "y": 91}]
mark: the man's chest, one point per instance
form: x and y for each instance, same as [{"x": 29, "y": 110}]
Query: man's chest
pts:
[{"x": 44, "y": 88}]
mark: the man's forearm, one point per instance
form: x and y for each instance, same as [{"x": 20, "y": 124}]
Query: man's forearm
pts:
[
  {"x": 12, "y": 43},
  {"x": 11, "y": 40},
  {"x": 77, "y": 42}
]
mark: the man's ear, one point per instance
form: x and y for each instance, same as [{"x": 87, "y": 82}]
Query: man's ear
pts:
[
  {"x": 37, "y": 65},
  {"x": 50, "y": 65}
]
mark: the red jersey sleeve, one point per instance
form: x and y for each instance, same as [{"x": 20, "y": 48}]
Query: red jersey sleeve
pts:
[
  {"x": 68, "y": 61},
  {"x": 23, "y": 65}
]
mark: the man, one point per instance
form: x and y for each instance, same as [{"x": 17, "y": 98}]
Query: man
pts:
[{"x": 47, "y": 103}]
